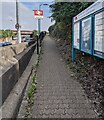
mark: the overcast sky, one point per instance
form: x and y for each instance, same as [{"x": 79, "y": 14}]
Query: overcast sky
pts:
[{"x": 26, "y": 16}]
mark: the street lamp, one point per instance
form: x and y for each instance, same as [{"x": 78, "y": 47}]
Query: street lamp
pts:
[
  {"x": 39, "y": 18},
  {"x": 39, "y": 29},
  {"x": 17, "y": 26}
]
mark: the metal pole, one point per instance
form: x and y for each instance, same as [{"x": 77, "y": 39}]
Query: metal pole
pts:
[
  {"x": 37, "y": 45},
  {"x": 17, "y": 19},
  {"x": 17, "y": 12},
  {"x": 39, "y": 29},
  {"x": 73, "y": 49},
  {"x": 39, "y": 21},
  {"x": 38, "y": 26},
  {"x": 17, "y": 23}
]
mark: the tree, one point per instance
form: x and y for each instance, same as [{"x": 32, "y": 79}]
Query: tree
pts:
[
  {"x": 62, "y": 13},
  {"x": 7, "y": 33}
]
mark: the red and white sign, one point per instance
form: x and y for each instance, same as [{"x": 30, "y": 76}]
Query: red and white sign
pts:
[{"x": 38, "y": 13}]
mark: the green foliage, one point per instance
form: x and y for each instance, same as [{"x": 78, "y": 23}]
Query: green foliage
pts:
[
  {"x": 30, "y": 93},
  {"x": 32, "y": 88},
  {"x": 33, "y": 78},
  {"x": 6, "y": 33},
  {"x": 62, "y": 13},
  {"x": 34, "y": 34}
]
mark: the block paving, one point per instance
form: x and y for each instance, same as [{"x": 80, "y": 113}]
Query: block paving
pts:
[{"x": 58, "y": 94}]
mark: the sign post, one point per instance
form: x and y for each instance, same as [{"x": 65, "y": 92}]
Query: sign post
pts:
[{"x": 38, "y": 14}]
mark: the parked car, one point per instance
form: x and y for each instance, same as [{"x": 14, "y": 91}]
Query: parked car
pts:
[
  {"x": 26, "y": 39},
  {"x": 14, "y": 37},
  {"x": 23, "y": 39},
  {"x": 2, "y": 44},
  {"x": 7, "y": 43}
]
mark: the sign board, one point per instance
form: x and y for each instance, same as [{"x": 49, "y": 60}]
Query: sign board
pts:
[
  {"x": 38, "y": 13},
  {"x": 93, "y": 8},
  {"x": 76, "y": 35},
  {"x": 86, "y": 31},
  {"x": 99, "y": 34}
]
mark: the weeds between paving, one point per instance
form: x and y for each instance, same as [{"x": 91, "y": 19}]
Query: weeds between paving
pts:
[{"x": 32, "y": 88}]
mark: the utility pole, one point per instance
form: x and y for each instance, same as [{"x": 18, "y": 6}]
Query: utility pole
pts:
[{"x": 17, "y": 26}]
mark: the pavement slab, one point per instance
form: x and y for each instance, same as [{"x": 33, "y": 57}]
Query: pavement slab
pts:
[{"x": 58, "y": 94}]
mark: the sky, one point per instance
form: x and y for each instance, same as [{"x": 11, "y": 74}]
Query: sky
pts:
[
  {"x": 35, "y": 6},
  {"x": 26, "y": 15}
]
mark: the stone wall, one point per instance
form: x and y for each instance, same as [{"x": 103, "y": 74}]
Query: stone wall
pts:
[
  {"x": 8, "y": 54},
  {"x": 11, "y": 75}
]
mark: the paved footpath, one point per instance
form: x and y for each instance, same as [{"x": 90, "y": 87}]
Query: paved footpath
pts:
[{"x": 58, "y": 95}]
